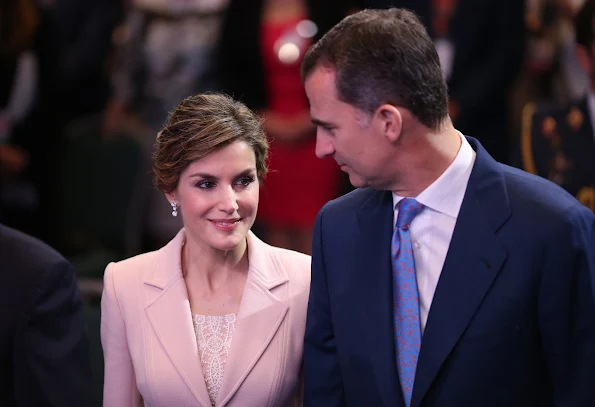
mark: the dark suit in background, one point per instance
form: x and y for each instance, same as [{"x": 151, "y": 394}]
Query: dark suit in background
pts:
[{"x": 44, "y": 353}]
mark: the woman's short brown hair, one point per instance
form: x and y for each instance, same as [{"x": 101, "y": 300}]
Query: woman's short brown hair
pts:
[{"x": 199, "y": 126}]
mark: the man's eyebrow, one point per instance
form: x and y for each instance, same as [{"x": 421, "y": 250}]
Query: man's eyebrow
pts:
[{"x": 321, "y": 123}]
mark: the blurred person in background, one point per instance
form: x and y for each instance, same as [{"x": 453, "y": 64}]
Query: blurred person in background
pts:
[
  {"x": 551, "y": 71},
  {"x": 481, "y": 46},
  {"x": 558, "y": 140},
  {"x": 44, "y": 350},
  {"x": 74, "y": 45},
  {"x": 20, "y": 156},
  {"x": 262, "y": 46},
  {"x": 215, "y": 317},
  {"x": 541, "y": 77},
  {"x": 59, "y": 76},
  {"x": 164, "y": 53},
  {"x": 576, "y": 82},
  {"x": 19, "y": 22}
]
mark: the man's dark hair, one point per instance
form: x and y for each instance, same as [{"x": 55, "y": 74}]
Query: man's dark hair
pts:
[
  {"x": 583, "y": 25},
  {"x": 383, "y": 56}
]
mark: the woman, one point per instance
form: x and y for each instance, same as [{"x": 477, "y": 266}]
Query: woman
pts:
[{"x": 216, "y": 317}]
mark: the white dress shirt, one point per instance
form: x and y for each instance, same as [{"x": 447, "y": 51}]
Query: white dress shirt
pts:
[{"x": 431, "y": 230}]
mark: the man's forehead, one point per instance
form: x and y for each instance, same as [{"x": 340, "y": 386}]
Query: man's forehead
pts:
[
  {"x": 320, "y": 87},
  {"x": 321, "y": 76}
]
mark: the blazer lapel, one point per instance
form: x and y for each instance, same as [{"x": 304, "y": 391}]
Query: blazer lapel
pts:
[
  {"x": 371, "y": 251},
  {"x": 259, "y": 317},
  {"x": 171, "y": 319},
  {"x": 474, "y": 259}
]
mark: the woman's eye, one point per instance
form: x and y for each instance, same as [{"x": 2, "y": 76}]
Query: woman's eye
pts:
[
  {"x": 245, "y": 181},
  {"x": 205, "y": 184}
]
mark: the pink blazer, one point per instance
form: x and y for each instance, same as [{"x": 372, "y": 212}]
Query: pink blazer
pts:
[{"x": 149, "y": 344}]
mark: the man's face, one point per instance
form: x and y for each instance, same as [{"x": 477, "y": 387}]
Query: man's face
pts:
[{"x": 345, "y": 132}]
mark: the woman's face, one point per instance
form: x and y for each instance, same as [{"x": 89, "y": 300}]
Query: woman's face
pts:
[{"x": 218, "y": 197}]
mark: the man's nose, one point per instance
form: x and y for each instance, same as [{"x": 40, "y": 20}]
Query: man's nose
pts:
[{"x": 324, "y": 146}]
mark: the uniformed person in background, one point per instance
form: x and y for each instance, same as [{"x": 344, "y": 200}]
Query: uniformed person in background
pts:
[{"x": 558, "y": 142}]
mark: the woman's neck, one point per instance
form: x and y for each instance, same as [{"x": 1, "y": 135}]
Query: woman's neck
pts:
[{"x": 212, "y": 268}]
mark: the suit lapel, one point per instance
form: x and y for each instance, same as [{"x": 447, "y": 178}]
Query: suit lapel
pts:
[
  {"x": 474, "y": 258},
  {"x": 371, "y": 253},
  {"x": 259, "y": 317},
  {"x": 171, "y": 319}
]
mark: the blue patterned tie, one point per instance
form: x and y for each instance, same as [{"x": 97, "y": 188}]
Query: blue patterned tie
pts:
[{"x": 405, "y": 297}]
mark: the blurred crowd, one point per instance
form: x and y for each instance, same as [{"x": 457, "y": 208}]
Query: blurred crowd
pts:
[{"x": 85, "y": 87}]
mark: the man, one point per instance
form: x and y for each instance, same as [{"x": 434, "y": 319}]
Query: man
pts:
[
  {"x": 44, "y": 354},
  {"x": 558, "y": 142},
  {"x": 492, "y": 265}
]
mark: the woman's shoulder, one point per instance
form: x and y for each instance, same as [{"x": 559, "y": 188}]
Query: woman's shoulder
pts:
[
  {"x": 154, "y": 265},
  {"x": 296, "y": 265},
  {"x": 292, "y": 257},
  {"x": 132, "y": 269}
]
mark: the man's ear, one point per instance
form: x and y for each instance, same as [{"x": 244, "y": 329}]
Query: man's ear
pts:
[{"x": 389, "y": 120}]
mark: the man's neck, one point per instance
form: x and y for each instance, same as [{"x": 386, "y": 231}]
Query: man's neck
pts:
[{"x": 427, "y": 157}]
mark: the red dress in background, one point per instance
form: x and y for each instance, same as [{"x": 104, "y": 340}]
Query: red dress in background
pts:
[{"x": 298, "y": 183}]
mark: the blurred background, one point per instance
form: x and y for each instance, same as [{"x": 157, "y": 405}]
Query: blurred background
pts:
[{"x": 85, "y": 85}]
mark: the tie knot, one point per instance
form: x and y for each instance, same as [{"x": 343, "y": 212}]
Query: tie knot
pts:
[{"x": 409, "y": 208}]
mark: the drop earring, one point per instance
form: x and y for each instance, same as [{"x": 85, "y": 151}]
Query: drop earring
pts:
[{"x": 174, "y": 208}]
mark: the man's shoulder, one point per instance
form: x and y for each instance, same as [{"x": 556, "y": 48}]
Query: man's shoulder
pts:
[
  {"x": 353, "y": 200},
  {"x": 538, "y": 197}
]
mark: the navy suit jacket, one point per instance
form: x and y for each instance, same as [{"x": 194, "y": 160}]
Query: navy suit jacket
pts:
[{"x": 512, "y": 322}]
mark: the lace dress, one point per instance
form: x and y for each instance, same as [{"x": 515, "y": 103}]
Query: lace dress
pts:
[{"x": 213, "y": 336}]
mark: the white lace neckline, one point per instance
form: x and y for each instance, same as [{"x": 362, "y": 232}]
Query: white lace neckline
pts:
[{"x": 213, "y": 337}]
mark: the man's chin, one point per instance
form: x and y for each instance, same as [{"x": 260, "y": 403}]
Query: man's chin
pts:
[{"x": 357, "y": 182}]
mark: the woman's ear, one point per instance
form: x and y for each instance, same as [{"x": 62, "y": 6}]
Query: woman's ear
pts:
[{"x": 170, "y": 197}]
